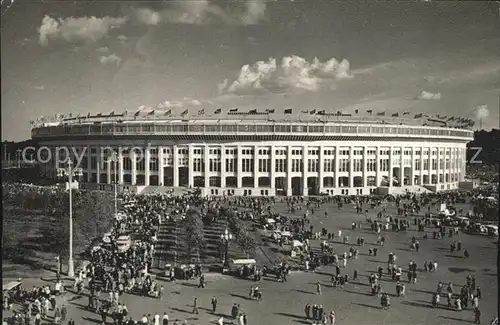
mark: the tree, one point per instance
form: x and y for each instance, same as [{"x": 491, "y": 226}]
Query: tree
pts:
[{"x": 194, "y": 231}]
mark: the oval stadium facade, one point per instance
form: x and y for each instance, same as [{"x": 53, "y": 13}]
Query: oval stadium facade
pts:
[{"x": 258, "y": 154}]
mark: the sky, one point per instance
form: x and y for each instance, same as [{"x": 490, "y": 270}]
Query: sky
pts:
[{"x": 79, "y": 58}]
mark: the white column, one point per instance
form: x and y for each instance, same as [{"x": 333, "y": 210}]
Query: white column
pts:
[
  {"x": 412, "y": 168},
  {"x": 351, "y": 168},
  {"x": 365, "y": 166},
  {"x": 336, "y": 168},
  {"x": 133, "y": 160},
  {"x": 108, "y": 169},
  {"x": 207, "y": 165},
  {"x": 429, "y": 165},
  {"x": 321, "y": 166},
  {"x": 438, "y": 167},
  {"x": 421, "y": 166},
  {"x": 161, "y": 170},
  {"x": 88, "y": 154},
  {"x": 272, "y": 172},
  {"x": 120, "y": 167},
  {"x": 222, "y": 166},
  {"x": 147, "y": 159},
  {"x": 305, "y": 173},
  {"x": 401, "y": 167},
  {"x": 175, "y": 163},
  {"x": 289, "y": 171},
  {"x": 190, "y": 166},
  {"x": 390, "y": 168},
  {"x": 239, "y": 165},
  {"x": 378, "y": 177},
  {"x": 255, "y": 166}
]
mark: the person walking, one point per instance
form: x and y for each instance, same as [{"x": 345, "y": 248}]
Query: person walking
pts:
[
  {"x": 195, "y": 306},
  {"x": 318, "y": 288},
  {"x": 64, "y": 312},
  {"x": 477, "y": 316},
  {"x": 165, "y": 319},
  {"x": 332, "y": 317},
  {"x": 214, "y": 304}
]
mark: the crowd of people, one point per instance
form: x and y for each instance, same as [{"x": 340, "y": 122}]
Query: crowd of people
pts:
[{"x": 111, "y": 273}]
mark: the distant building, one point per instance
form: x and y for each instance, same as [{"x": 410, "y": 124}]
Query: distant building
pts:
[{"x": 275, "y": 153}]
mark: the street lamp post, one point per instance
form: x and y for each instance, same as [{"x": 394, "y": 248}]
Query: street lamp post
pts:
[
  {"x": 70, "y": 172},
  {"x": 114, "y": 159},
  {"x": 226, "y": 237}
]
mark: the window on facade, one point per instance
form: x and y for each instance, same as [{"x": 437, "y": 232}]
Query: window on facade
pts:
[
  {"x": 231, "y": 165},
  {"x": 153, "y": 163},
  {"x": 329, "y": 165},
  {"x": 198, "y": 164},
  {"x": 214, "y": 165},
  {"x": 280, "y": 166},
  {"x": 264, "y": 165},
  {"x": 312, "y": 165},
  {"x": 247, "y": 165},
  {"x": 344, "y": 165},
  {"x": 371, "y": 165},
  {"x": 297, "y": 165},
  {"x": 384, "y": 165},
  {"x": 434, "y": 164},
  {"x": 418, "y": 163},
  {"x": 426, "y": 164},
  {"x": 358, "y": 165}
]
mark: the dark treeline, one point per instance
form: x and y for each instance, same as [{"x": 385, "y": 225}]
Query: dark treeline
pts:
[{"x": 489, "y": 142}]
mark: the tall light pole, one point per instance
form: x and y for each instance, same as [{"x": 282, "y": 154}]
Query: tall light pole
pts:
[
  {"x": 226, "y": 237},
  {"x": 114, "y": 159},
  {"x": 70, "y": 171},
  {"x": 18, "y": 158}
]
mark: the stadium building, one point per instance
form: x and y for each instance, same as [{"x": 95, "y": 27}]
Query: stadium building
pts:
[{"x": 259, "y": 154}]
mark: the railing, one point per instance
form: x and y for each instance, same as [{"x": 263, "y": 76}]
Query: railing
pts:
[{"x": 246, "y": 129}]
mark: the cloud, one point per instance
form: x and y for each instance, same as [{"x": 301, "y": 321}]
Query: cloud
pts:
[
  {"x": 76, "y": 30},
  {"x": 122, "y": 39},
  {"x": 103, "y": 49},
  {"x": 186, "y": 101},
  {"x": 147, "y": 16},
  {"x": 40, "y": 87},
  {"x": 482, "y": 112},
  {"x": 202, "y": 12},
  {"x": 110, "y": 59},
  {"x": 425, "y": 95},
  {"x": 293, "y": 73}
]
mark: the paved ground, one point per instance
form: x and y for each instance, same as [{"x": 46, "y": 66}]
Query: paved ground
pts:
[{"x": 283, "y": 303}]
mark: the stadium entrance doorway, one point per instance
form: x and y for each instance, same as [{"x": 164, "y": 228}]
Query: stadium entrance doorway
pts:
[{"x": 297, "y": 186}]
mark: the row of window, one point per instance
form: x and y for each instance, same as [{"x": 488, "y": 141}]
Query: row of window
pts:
[
  {"x": 298, "y": 152},
  {"x": 224, "y": 128},
  {"x": 264, "y": 165}
]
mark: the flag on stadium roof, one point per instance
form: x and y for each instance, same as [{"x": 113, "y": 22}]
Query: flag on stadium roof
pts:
[
  {"x": 356, "y": 111},
  {"x": 322, "y": 112},
  {"x": 381, "y": 114},
  {"x": 137, "y": 113},
  {"x": 218, "y": 111},
  {"x": 99, "y": 114},
  {"x": 418, "y": 115},
  {"x": 406, "y": 113},
  {"x": 233, "y": 110},
  {"x": 270, "y": 111},
  {"x": 152, "y": 112},
  {"x": 201, "y": 111},
  {"x": 395, "y": 115},
  {"x": 339, "y": 113},
  {"x": 184, "y": 113},
  {"x": 112, "y": 113},
  {"x": 252, "y": 111},
  {"x": 304, "y": 111},
  {"x": 288, "y": 111},
  {"x": 369, "y": 111},
  {"x": 312, "y": 112}
]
